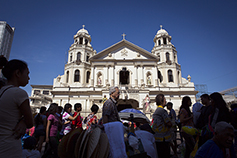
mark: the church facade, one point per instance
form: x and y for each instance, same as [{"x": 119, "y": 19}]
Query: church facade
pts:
[{"x": 137, "y": 72}]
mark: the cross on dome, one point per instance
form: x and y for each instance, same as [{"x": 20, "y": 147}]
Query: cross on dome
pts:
[
  {"x": 83, "y": 26},
  {"x": 123, "y": 35},
  {"x": 161, "y": 26}
]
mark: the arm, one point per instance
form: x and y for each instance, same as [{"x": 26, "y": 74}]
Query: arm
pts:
[
  {"x": 182, "y": 119},
  {"x": 26, "y": 112},
  {"x": 47, "y": 131},
  {"x": 73, "y": 118}
]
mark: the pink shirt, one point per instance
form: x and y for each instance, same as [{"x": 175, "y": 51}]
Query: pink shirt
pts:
[{"x": 54, "y": 125}]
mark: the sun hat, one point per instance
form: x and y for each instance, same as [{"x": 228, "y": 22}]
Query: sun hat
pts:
[
  {"x": 78, "y": 143},
  {"x": 72, "y": 140},
  {"x": 93, "y": 140},
  {"x": 82, "y": 143},
  {"x": 62, "y": 146},
  {"x": 103, "y": 146}
]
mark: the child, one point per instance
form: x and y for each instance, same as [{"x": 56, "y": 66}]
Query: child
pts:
[{"x": 29, "y": 148}]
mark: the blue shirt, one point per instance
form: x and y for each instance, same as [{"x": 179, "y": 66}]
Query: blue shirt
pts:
[{"x": 211, "y": 150}]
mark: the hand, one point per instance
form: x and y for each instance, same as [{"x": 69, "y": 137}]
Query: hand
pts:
[
  {"x": 19, "y": 130},
  {"x": 47, "y": 140}
]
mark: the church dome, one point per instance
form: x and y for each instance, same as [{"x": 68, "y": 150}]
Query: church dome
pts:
[
  {"x": 162, "y": 31},
  {"x": 83, "y": 30}
]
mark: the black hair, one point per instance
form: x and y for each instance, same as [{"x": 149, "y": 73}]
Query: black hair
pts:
[
  {"x": 67, "y": 106},
  {"x": 160, "y": 99},
  {"x": 77, "y": 105},
  {"x": 29, "y": 143},
  {"x": 185, "y": 105},
  {"x": 53, "y": 108},
  {"x": 38, "y": 119},
  {"x": 219, "y": 102},
  {"x": 12, "y": 66},
  {"x": 169, "y": 104},
  {"x": 94, "y": 108},
  {"x": 205, "y": 96}
]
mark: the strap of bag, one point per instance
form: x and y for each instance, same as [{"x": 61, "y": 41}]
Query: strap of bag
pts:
[{"x": 5, "y": 90}]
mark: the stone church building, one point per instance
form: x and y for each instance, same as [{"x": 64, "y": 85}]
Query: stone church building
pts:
[{"x": 137, "y": 72}]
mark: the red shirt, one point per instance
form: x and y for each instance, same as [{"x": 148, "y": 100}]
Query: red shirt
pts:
[{"x": 78, "y": 121}]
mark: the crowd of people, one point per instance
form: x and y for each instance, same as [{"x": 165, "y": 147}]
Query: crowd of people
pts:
[{"x": 214, "y": 124}]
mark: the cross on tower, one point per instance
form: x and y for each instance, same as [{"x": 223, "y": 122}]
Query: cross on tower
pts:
[{"x": 123, "y": 35}]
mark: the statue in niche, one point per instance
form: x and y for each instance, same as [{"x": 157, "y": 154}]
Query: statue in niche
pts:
[
  {"x": 146, "y": 106},
  {"x": 99, "y": 81},
  {"x": 149, "y": 80}
]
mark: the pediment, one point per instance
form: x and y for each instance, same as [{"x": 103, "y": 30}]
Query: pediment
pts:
[{"x": 124, "y": 50}]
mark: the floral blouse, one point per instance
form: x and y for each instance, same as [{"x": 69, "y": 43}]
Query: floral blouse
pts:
[{"x": 90, "y": 119}]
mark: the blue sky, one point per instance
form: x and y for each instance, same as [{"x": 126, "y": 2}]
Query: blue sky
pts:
[{"x": 203, "y": 32}]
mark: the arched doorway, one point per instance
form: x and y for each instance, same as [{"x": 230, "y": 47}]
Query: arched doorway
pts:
[{"x": 127, "y": 103}]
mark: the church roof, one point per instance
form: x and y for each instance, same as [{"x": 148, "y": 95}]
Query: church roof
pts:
[{"x": 127, "y": 44}]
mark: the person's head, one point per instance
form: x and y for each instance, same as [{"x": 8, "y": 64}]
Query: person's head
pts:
[
  {"x": 224, "y": 134},
  {"x": 29, "y": 143},
  {"x": 18, "y": 71},
  {"x": 217, "y": 101},
  {"x": 147, "y": 127},
  {"x": 67, "y": 108},
  {"x": 53, "y": 108},
  {"x": 114, "y": 92},
  {"x": 77, "y": 107},
  {"x": 160, "y": 100},
  {"x": 94, "y": 108},
  {"x": 205, "y": 98},
  {"x": 104, "y": 96},
  {"x": 42, "y": 110},
  {"x": 169, "y": 105},
  {"x": 186, "y": 101},
  {"x": 60, "y": 109}
]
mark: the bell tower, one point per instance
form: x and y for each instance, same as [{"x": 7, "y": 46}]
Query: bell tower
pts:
[
  {"x": 169, "y": 71},
  {"x": 77, "y": 70}
]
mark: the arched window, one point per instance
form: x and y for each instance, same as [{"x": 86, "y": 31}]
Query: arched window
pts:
[
  {"x": 170, "y": 76},
  {"x": 174, "y": 57},
  {"x": 77, "y": 76},
  {"x": 70, "y": 57},
  {"x": 81, "y": 40},
  {"x": 159, "y": 42},
  {"x": 99, "y": 78},
  {"x": 67, "y": 76},
  {"x": 178, "y": 77},
  {"x": 158, "y": 55},
  {"x": 87, "y": 57},
  {"x": 124, "y": 76},
  {"x": 86, "y": 41},
  {"x": 164, "y": 41},
  {"x": 160, "y": 77},
  {"x": 79, "y": 56},
  {"x": 87, "y": 76},
  {"x": 167, "y": 56}
]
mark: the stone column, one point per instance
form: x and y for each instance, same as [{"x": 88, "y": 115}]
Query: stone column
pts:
[
  {"x": 136, "y": 76},
  {"x": 112, "y": 75},
  {"x": 155, "y": 77},
  {"x": 92, "y": 76}
]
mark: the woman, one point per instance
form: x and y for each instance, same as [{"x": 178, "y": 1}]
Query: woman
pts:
[
  {"x": 15, "y": 112},
  {"x": 77, "y": 123},
  {"x": 91, "y": 118},
  {"x": 51, "y": 131},
  {"x": 40, "y": 124},
  {"x": 219, "y": 110},
  {"x": 186, "y": 119},
  {"x": 67, "y": 118}
]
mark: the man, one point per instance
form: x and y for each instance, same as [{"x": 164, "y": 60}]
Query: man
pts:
[
  {"x": 109, "y": 110},
  {"x": 205, "y": 111},
  {"x": 221, "y": 145},
  {"x": 162, "y": 128}
]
